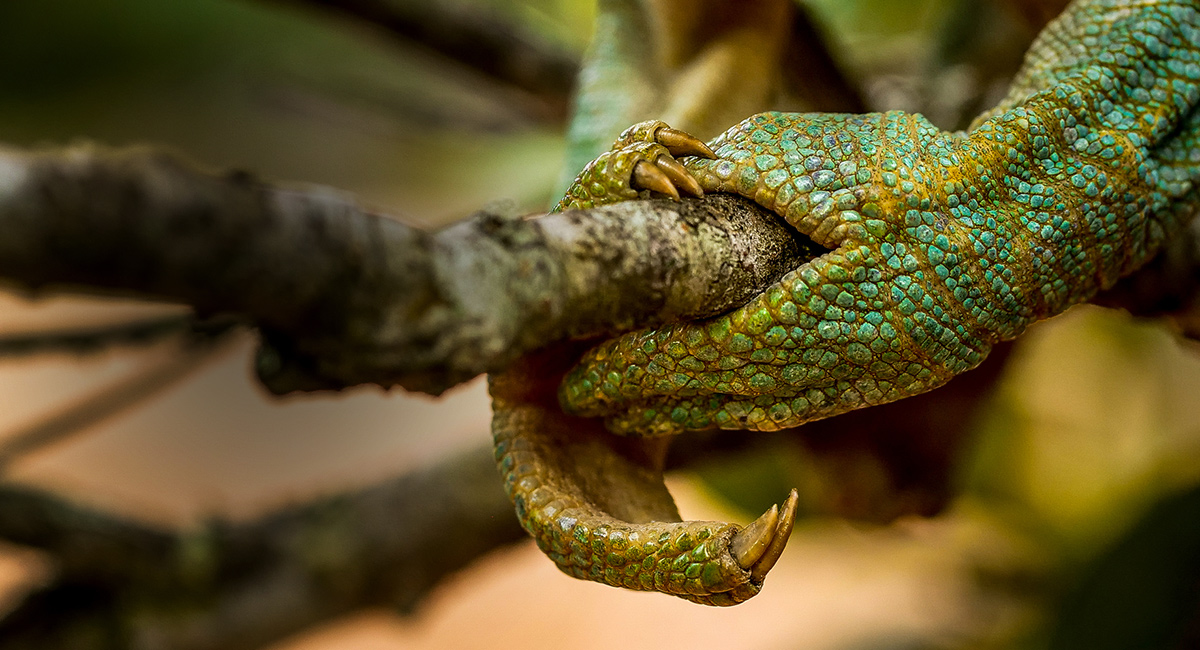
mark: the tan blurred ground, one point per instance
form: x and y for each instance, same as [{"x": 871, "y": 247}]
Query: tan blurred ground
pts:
[{"x": 217, "y": 445}]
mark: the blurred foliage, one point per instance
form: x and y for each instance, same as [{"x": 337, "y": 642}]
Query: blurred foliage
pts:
[
  {"x": 1092, "y": 449},
  {"x": 288, "y": 93},
  {"x": 1143, "y": 592},
  {"x": 1089, "y": 450}
]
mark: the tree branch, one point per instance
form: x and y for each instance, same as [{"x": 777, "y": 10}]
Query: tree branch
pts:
[
  {"x": 91, "y": 340},
  {"x": 197, "y": 345},
  {"x": 345, "y": 296},
  {"x": 239, "y": 586},
  {"x": 479, "y": 38}
]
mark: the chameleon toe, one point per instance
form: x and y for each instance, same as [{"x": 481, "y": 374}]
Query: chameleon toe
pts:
[
  {"x": 750, "y": 543},
  {"x": 779, "y": 539},
  {"x": 680, "y": 143},
  {"x": 757, "y": 547},
  {"x": 680, "y": 176},
  {"x": 651, "y": 177}
]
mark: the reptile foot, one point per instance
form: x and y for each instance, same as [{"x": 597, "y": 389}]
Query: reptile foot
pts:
[
  {"x": 643, "y": 158},
  {"x": 596, "y": 503}
]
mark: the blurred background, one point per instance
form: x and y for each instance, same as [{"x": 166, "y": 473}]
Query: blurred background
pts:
[{"x": 1065, "y": 511}]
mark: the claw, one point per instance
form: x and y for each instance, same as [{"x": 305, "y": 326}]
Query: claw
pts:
[
  {"x": 680, "y": 143},
  {"x": 680, "y": 176},
  {"x": 749, "y": 544},
  {"x": 758, "y": 546},
  {"x": 787, "y": 518},
  {"x": 648, "y": 176}
]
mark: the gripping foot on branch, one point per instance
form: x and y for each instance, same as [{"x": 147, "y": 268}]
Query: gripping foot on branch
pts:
[
  {"x": 596, "y": 504},
  {"x": 642, "y": 158}
]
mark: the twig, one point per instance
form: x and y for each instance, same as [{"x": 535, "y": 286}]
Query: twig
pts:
[
  {"x": 184, "y": 358},
  {"x": 478, "y": 38},
  {"x": 123, "y": 585},
  {"x": 91, "y": 340}
]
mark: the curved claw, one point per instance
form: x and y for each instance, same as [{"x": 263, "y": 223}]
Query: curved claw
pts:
[
  {"x": 642, "y": 158},
  {"x": 680, "y": 176},
  {"x": 681, "y": 143},
  {"x": 787, "y": 519},
  {"x": 749, "y": 544},
  {"x": 651, "y": 177},
  {"x": 757, "y": 547}
]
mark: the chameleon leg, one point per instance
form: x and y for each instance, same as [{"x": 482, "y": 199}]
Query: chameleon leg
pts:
[
  {"x": 596, "y": 504},
  {"x": 814, "y": 345},
  {"x": 941, "y": 245}
]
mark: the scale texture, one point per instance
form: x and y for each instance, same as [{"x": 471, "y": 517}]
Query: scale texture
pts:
[{"x": 941, "y": 245}]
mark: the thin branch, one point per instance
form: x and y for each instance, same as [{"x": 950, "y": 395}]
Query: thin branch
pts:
[
  {"x": 91, "y": 340},
  {"x": 179, "y": 362},
  {"x": 239, "y": 586},
  {"x": 478, "y": 38}
]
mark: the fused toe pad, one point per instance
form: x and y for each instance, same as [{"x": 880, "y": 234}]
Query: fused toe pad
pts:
[
  {"x": 707, "y": 562},
  {"x": 596, "y": 505},
  {"x": 710, "y": 563},
  {"x": 642, "y": 158}
]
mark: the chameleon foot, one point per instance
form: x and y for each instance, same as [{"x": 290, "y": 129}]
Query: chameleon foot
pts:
[
  {"x": 643, "y": 158},
  {"x": 596, "y": 504}
]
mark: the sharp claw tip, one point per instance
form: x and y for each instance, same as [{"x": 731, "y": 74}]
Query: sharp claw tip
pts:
[
  {"x": 651, "y": 177},
  {"x": 749, "y": 544},
  {"x": 792, "y": 501},
  {"x": 682, "y": 143},
  {"x": 679, "y": 175},
  {"x": 777, "y": 538}
]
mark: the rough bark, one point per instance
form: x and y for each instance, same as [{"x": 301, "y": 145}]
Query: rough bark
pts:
[{"x": 345, "y": 296}]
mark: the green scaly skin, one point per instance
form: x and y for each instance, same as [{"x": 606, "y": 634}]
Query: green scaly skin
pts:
[
  {"x": 941, "y": 244},
  {"x": 598, "y": 508}
]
